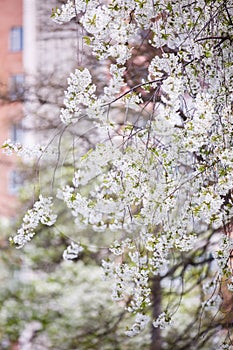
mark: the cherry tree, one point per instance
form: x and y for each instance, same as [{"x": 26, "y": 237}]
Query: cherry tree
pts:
[{"x": 158, "y": 182}]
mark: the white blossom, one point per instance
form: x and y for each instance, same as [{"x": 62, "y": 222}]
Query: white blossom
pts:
[
  {"x": 66, "y": 13},
  {"x": 72, "y": 251},
  {"x": 222, "y": 254},
  {"x": 40, "y": 213},
  {"x": 141, "y": 322},
  {"x": 163, "y": 321}
]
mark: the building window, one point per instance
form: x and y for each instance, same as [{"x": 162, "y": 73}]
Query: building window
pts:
[
  {"x": 15, "y": 182},
  {"x": 16, "y": 39},
  {"x": 16, "y": 133},
  {"x": 16, "y": 87}
]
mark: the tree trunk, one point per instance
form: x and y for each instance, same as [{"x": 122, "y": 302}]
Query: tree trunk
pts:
[
  {"x": 156, "y": 340},
  {"x": 226, "y": 306}
]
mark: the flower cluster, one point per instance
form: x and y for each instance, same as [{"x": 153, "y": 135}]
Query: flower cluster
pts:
[
  {"x": 80, "y": 92},
  {"x": 140, "y": 324},
  {"x": 40, "y": 213},
  {"x": 72, "y": 251},
  {"x": 163, "y": 321},
  {"x": 28, "y": 153},
  {"x": 9, "y": 147},
  {"x": 65, "y": 14},
  {"x": 222, "y": 255}
]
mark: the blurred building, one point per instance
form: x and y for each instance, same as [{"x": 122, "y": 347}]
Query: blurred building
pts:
[
  {"x": 51, "y": 51},
  {"x": 11, "y": 90},
  {"x": 36, "y": 56}
]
